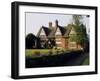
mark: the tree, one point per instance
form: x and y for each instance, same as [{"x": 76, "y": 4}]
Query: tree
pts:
[
  {"x": 81, "y": 35},
  {"x": 30, "y": 41}
]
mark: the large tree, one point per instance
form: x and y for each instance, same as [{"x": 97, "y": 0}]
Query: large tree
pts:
[
  {"x": 30, "y": 41},
  {"x": 76, "y": 19},
  {"x": 81, "y": 34}
]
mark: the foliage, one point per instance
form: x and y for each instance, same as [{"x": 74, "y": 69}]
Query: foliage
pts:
[
  {"x": 50, "y": 52},
  {"x": 30, "y": 41},
  {"x": 85, "y": 61},
  {"x": 73, "y": 37},
  {"x": 50, "y": 44},
  {"x": 76, "y": 19},
  {"x": 81, "y": 36},
  {"x": 46, "y": 52},
  {"x": 37, "y": 52}
]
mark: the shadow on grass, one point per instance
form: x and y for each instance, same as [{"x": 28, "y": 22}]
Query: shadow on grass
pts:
[{"x": 65, "y": 59}]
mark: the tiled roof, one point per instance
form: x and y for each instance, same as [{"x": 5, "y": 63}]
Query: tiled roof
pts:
[
  {"x": 50, "y": 32},
  {"x": 68, "y": 29},
  {"x": 53, "y": 31},
  {"x": 62, "y": 29},
  {"x": 46, "y": 30}
]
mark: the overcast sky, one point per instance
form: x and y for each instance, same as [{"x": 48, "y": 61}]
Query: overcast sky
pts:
[{"x": 35, "y": 20}]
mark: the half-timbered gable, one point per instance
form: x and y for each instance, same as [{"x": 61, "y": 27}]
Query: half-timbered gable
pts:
[{"x": 57, "y": 36}]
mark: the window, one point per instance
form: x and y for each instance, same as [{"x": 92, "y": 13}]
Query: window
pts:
[
  {"x": 58, "y": 39},
  {"x": 42, "y": 32},
  {"x": 72, "y": 45},
  {"x": 58, "y": 32},
  {"x": 42, "y": 36},
  {"x": 58, "y": 42}
]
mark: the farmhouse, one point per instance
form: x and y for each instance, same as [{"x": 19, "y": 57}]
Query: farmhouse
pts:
[{"x": 58, "y": 36}]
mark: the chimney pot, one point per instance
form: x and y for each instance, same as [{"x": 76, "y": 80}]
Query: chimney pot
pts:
[
  {"x": 56, "y": 23},
  {"x": 50, "y": 24}
]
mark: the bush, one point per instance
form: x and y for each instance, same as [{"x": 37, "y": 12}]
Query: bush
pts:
[
  {"x": 62, "y": 51},
  {"x": 50, "y": 52},
  {"x": 54, "y": 47},
  {"x": 37, "y": 53}
]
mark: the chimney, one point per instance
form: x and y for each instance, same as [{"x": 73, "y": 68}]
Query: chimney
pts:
[
  {"x": 50, "y": 24},
  {"x": 56, "y": 23}
]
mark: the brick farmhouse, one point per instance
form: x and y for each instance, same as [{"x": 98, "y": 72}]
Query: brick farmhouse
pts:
[{"x": 56, "y": 36}]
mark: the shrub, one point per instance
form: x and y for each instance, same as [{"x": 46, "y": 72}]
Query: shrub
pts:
[
  {"x": 62, "y": 51},
  {"x": 50, "y": 52},
  {"x": 37, "y": 53}
]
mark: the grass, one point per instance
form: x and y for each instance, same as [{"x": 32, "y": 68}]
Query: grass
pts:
[
  {"x": 44, "y": 52},
  {"x": 40, "y": 52},
  {"x": 63, "y": 59},
  {"x": 85, "y": 61},
  {"x": 30, "y": 52}
]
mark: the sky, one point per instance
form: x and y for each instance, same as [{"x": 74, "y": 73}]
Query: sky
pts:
[{"x": 34, "y": 21}]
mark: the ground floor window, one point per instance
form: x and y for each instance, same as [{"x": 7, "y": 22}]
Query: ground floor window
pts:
[{"x": 72, "y": 45}]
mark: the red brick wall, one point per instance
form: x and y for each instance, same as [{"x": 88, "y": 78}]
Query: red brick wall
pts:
[
  {"x": 79, "y": 46},
  {"x": 64, "y": 42}
]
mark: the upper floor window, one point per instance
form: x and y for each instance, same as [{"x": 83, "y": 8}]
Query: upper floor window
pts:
[
  {"x": 42, "y": 32},
  {"x": 58, "y": 32},
  {"x": 42, "y": 36}
]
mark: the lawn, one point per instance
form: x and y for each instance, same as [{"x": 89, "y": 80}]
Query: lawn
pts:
[
  {"x": 42, "y": 52},
  {"x": 63, "y": 59},
  {"x": 45, "y": 52},
  {"x": 86, "y": 61},
  {"x": 30, "y": 52}
]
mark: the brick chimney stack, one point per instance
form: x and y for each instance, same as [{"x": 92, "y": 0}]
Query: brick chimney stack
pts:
[
  {"x": 56, "y": 23},
  {"x": 50, "y": 24}
]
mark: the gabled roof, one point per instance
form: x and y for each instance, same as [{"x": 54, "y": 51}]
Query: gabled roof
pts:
[
  {"x": 68, "y": 29},
  {"x": 46, "y": 30},
  {"x": 62, "y": 29},
  {"x": 50, "y": 32},
  {"x": 54, "y": 29}
]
